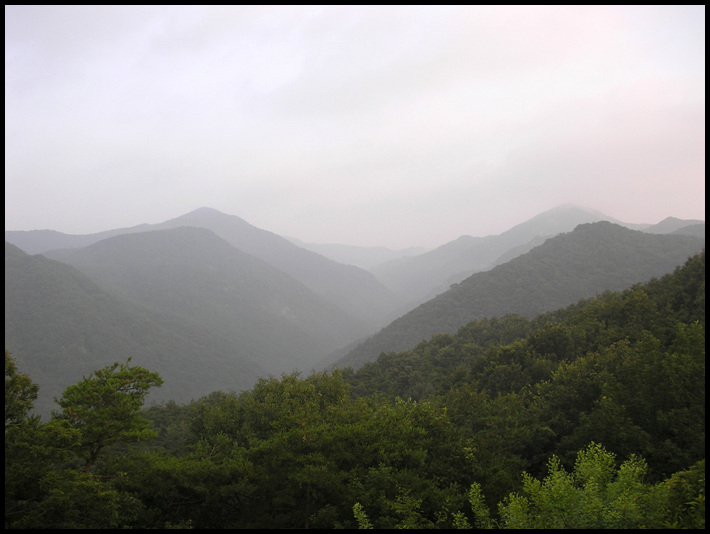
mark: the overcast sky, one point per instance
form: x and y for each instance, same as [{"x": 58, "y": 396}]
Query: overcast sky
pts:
[{"x": 396, "y": 126}]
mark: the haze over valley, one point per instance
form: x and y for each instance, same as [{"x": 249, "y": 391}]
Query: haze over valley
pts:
[
  {"x": 291, "y": 181},
  {"x": 212, "y": 302},
  {"x": 360, "y": 266}
]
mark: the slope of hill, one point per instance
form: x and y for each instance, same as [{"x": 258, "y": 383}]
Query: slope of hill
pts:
[
  {"x": 60, "y": 325},
  {"x": 697, "y": 230},
  {"x": 423, "y": 277},
  {"x": 672, "y": 224},
  {"x": 591, "y": 259},
  {"x": 40, "y": 241},
  {"x": 354, "y": 290},
  {"x": 363, "y": 257},
  {"x": 196, "y": 276},
  {"x": 434, "y": 365}
]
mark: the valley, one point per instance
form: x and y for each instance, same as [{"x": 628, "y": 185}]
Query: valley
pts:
[{"x": 212, "y": 302}]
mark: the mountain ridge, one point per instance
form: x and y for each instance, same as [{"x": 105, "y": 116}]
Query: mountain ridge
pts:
[
  {"x": 60, "y": 325},
  {"x": 355, "y": 290},
  {"x": 199, "y": 277},
  {"x": 427, "y": 275},
  {"x": 594, "y": 257}
]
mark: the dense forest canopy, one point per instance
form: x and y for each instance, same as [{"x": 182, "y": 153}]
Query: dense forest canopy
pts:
[{"x": 590, "y": 416}]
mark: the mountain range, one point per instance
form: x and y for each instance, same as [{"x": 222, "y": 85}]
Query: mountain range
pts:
[
  {"x": 354, "y": 290},
  {"x": 194, "y": 275},
  {"x": 60, "y": 325},
  {"x": 422, "y": 277},
  {"x": 593, "y": 258},
  {"x": 212, "y": 302}
]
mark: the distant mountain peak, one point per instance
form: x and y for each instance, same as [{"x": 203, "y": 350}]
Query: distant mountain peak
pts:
[
  {"x": 209, "y": 217},
  {"x": 570, "y": 206},
  {"x": 205, "y": 210},
  {"x": 561, "y": 218},
  {"x": 574, "y": 208},
  {"x": 671, "y": 224}
]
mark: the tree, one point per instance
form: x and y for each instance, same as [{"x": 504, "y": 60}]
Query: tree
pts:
[
  {"x": 594, "y": 495},
  {"x": 20, "y": 393},
  {"x": 105, "y": 408},
  {"x": 32, "y": 449}
]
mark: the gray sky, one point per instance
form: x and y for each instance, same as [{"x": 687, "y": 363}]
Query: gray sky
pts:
[{"x": 395, "y": 126}]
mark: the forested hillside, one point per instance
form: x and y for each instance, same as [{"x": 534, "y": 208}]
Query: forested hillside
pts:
[
  {"x": 589, "y": 260},
  {"x": 424, "y": 276},
  {"x": 193, "y": 274},
  {"x": 62, "y": 325},
  {"x": 589, "y": 416},
  {"x": 354, "y": 290}
]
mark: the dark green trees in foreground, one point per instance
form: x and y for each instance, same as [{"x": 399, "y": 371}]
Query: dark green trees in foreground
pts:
[
  {"x": 104, "y": 408},
  {"x": 20, "y": 393},
  {"x": 588, "y": 417},
  {"x": 598, "y": 494},
  {"x": 48, "y": 479}
]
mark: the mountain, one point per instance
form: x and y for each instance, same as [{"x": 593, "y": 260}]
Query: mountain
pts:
[
  {"x": 40, "y": 241},
  {"x": 424, "y": 276},
  {"x": 60, "y": 326},
  {"x": 197, "y": 277},
  {"x": 697, "y": 230},
  {"x": 363, "y": 257},
  {"x": 354, "y": 290},
  {"x": 672, "y": 224},
  {"x": 591, "y": 259}
]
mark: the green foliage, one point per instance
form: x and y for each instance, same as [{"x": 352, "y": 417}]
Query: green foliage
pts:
[
  {"x": 273, "y": 406},
  {"x": 41, "y": 490},
  {"x": 105, "y": 407},
  {"x": 594, "y": 495},
  {"x": 20, "y": 393},
  {"x": 291, "y": 430},
  {"x": 204, "y": 487},
  {"x": 588, "y": 372},
  {"x": 172, "y": 424},
  {"x": 77, "y": 500},
  {"x": 361, "y": 517},
  {"x": 478, "y": 507},
  {"x": 315, "y": 452},
  {"x": 435, "y": 364},
  {"x": 33, "y": 452},
  {"x": 686, "y": 503}
]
